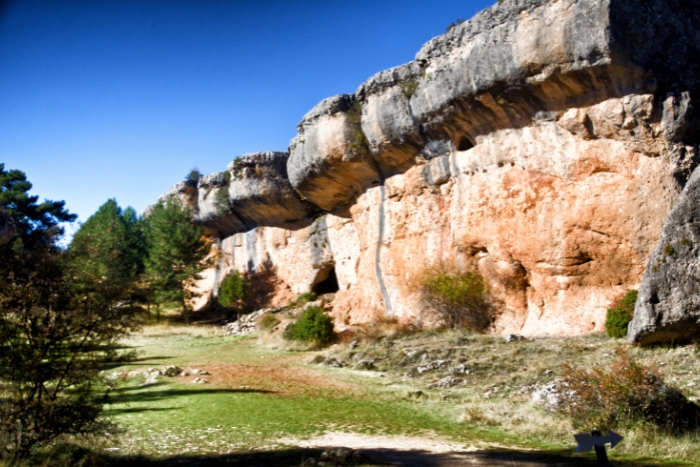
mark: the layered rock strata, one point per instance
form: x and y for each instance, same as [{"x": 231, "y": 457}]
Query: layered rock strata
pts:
[{"x": 543, "y": 143}]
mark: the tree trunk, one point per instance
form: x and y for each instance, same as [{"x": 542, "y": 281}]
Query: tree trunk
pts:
[{"x": 184, "y": 304}]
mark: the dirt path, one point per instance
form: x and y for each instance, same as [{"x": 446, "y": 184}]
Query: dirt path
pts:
[{"x": 409, "y": 451}]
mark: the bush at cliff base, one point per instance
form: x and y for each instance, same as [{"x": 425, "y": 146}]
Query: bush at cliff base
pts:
[
  {"x": 620, "y": 316},
  {"x": 461, "y": 299},
  {"x": 627, "y": 394},
  {"x": 312, "y": 326}
]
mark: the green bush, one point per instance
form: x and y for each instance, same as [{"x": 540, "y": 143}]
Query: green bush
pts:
[
  {"x": 408, "y": 88},
  {"x": 620, "y": 315},
  {"x": 312, "y": 326},
  {"x": 306, "y": 297},
  {"x": 358, "y": 140},
  {"x": 267, "y": 321},
  {"x": 234, "y": 293},
  {"x": 461, "y": 299},
  {"x": 629, "y": 393}
]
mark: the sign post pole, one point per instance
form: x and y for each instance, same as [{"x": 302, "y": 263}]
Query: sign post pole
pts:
[
  {"x": 597, "y": 441},
  {"x": 600, "y": 450}
]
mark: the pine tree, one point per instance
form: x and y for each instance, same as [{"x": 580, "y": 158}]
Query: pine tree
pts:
[
  {"x": 177, "y": 253},
  {"x": 109, "y": 248},
  {"x": 33, "y": 222},
  {"x": 54, "y": 338}
]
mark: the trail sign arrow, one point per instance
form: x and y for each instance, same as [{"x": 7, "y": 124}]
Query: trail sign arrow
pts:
[{"x": 586, "y": 442}]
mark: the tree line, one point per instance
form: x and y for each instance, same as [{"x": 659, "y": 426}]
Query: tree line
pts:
[{"x": 63, "y": 310}]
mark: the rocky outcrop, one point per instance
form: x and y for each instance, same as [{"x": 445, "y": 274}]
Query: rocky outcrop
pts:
[
  {"x": 329, "y": 160},
  {"x": 543, "y": 143},
  {"x": 668, "y": 307},
  {"x": 253, "y": 191}
]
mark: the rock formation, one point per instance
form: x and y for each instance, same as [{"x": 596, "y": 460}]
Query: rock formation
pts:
[
  {"x": 543, "y": 142},
  {"x": 668, "y": 307}
]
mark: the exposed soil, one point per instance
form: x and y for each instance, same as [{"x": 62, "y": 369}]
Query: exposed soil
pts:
[{"x": 289, "y": 381}]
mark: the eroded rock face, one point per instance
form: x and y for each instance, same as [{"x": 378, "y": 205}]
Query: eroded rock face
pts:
[
  {"x": 292, "y": 260},
  {"x": 559, "y": 225},
  {"x": 260, "y": 192},
  {"x": 520, "y": 62},
  {"x": 253, "y": 191},
  {"x": 542, "y": 143},
  {"x": 668, "y": 306},
  {"x": 329, "y": 160}
]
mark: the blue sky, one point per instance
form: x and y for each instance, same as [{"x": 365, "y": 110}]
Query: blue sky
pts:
[{"x": 119, "y": 99}]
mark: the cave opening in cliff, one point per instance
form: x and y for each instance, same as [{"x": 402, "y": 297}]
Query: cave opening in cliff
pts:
[
  {"x": 464, "y": 144},
  {"x": 328, "y": 284}
]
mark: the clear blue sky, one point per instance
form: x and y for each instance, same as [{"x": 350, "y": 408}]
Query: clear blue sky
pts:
[{"x": 119, "y": 99}]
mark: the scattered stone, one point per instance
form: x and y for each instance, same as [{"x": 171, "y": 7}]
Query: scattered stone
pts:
[
  {"x": 200, "y": 381},
  {"x": 316, "y": 303},
  {"x": 354, "y": 344},
  {"x": 335, "y": 363},
  {"x": 548, "y": 395},
  {"x": 447, "y": 382},
  {"x": 513, "y": 338},
  {"x": 461, "y": 369},
  {"x": 365, "y": 365},
  {"x": 171, "y": 371},
  {"x": 247, "y": 323},
  {"x": 434, "y": 365}
]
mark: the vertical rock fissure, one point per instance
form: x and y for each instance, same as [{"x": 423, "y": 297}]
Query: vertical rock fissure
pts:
[
  {"x": 378, "y": 257},
  {"x": 250, "y": 248},
  {"x": 217, "y": 271}
]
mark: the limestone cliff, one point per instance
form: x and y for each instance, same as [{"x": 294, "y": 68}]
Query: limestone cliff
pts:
[{"x": 544, "y": 142}]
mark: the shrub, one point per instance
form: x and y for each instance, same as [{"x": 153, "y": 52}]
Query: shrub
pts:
[
  {"x": 267, "y": 321},
  {"x": 669, "y": 250},
  {"x": 620, "y": 315},
  {"x": 461, "y": 299},
  {"x": 306, "y": 297},
  {"x": 358, "y": 140},
  {"x": 222, "y": 202},
  {"x": 457, "y": 23},
  {"x": 234, "y": 292},
  {"x": 408, "y": 88},
  {"x": 312, "y": 326},
  {"x": 629, "y": 393}
]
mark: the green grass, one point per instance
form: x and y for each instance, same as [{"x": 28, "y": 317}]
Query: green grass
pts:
[
  {"x": 168, "y": 417},
  {"x": 173, "y": 422}
]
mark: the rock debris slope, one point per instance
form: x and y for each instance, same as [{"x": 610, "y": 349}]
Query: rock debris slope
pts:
[{"x": 544, "y": 142}]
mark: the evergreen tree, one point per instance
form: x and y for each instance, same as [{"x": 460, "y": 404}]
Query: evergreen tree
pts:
[
  {"x": 177, "y": 253},
  {"x": 233, "y": 293},
  {"x": 32, "y": 222},
  {"x": 54, "y": 338},
  {"x": 109, "y": 248}
]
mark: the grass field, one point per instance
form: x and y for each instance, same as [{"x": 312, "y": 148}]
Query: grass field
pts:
[{"x": 262, "y": 400}]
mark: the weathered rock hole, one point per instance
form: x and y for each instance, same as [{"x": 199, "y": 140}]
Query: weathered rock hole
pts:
[
  {"x": 326, "y": 282},
  {"x": 464, "y": 144}
]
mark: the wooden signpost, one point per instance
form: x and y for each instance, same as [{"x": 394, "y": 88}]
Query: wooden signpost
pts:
[{"x": 596, "y": 440}]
